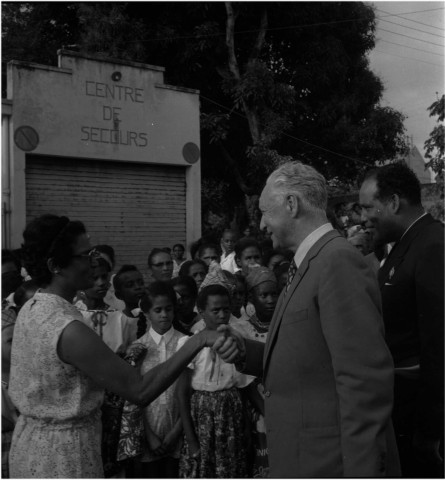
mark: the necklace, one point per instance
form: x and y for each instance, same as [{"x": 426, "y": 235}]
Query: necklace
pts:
[{"x": 260, "y": 326}]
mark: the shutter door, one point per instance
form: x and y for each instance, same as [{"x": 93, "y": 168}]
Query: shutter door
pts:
[{"x": 132, "y": 207}]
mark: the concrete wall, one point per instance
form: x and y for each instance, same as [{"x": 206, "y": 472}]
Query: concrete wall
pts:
[{"x": 102, "y": 109}]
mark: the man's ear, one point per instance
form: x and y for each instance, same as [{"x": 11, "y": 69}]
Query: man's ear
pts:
[
  {"x": 237, "y": 261},
  {"x": 292, "y": 204},
  {"x": 395, "y": 203}
]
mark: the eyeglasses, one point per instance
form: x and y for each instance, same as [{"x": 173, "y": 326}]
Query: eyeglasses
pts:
[{"x": 93, "y": 256}]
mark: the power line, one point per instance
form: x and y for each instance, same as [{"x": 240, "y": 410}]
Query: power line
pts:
[
  {"x": 413, "y": 38},
  {"x": 410, "y": 20},
  {"x": 412, "y": 28},
  {"x": 271, "y": 29},
  {"x": 409, "y": 58},
  {"x": 290, "y": 136},
  {"x": 412, "y": 48}
]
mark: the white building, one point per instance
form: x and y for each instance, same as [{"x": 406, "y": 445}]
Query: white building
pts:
[{"x": 103, "y": 141}]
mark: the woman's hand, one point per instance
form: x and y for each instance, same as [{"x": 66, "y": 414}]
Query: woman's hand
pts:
[
  {"x": 209, "y": 337},
  {"x": 230, "y": 346}
]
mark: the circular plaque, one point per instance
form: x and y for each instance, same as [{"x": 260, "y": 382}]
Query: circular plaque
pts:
[
  {"x": 190, "y": 152},
  {"x": 26, "y": 138}
]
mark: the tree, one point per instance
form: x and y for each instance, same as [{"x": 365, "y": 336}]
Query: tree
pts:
[
  {"x": 434, "y": 145},
  {"x": 278, "y": 80}
]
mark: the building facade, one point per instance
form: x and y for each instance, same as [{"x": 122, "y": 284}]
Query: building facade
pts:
[{"x": 106, "y": 142}]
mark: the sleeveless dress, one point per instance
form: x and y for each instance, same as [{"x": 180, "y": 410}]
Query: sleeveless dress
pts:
[{"x": 58, "y": 432}]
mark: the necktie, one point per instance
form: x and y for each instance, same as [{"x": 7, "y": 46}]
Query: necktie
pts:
[{"x": 291, "y": 274}]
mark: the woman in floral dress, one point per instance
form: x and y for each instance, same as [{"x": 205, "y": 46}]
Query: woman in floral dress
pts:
[{"x": 60, "y": 367}]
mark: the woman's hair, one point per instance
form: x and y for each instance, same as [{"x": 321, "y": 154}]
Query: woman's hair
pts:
[
  {"x": 180, "y": 245},
  {"x": 157, "y": 289},
  {"x": 208, "y": 291},
  {"x": 184, "y": 270},
  {"x": 153, "y": 253},
  {"x": 186, "y": 282},
  {"x": 49, "y": 236},
  {"x": 109, "y": 252}
]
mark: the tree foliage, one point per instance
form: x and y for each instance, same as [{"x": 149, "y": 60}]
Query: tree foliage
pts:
[
  {"x": 278, "y": 80},
  {"x": 434, "y": 145}
]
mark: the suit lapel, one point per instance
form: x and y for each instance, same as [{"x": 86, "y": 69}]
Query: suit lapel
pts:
[
  {"x": 284, "y": 299},
  {"x": 398, "y": 253}
]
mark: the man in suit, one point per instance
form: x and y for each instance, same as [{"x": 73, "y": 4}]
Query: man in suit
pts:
[
  {"x": 412, "y": 286},
  {"x": 327, "y": 372}
]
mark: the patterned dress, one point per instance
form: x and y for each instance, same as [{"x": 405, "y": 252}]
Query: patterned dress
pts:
[
  {"x": 58, "y": 432},
  {"x": 218, "y": 418},
  {"x": 260, "y": 461}
]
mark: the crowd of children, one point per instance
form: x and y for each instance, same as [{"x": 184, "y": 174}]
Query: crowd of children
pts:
[{"x": 208, "y": 424}]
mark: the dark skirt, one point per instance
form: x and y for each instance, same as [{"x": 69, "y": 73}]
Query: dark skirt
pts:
[{"x": 218, "y": 419}]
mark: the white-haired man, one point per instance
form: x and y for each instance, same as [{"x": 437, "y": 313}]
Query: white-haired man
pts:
[{"x": 327, "y": 372}]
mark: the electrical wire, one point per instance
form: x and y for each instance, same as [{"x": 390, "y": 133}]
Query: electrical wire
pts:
[
  {"x": 410, "y": 20},
  {"x": 412, "y": 48},
  {"x": 413, "y": 38},
  {"x": 290, "y": 136},
  {"x": 409, "y": 58},
  {"x": 412, "y": 28}
]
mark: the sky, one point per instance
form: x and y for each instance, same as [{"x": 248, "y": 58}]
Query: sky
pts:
[{"x": 412, "y": 71}]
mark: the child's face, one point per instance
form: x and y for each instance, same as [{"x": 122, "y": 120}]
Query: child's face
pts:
[
  {"x": 131, "y": 288},
  {"x": 7, "y": 334},
  {"x": 217, "y": 311},
  {"x": 162, "y": 267},
  {"x": 101, "y": 277},
  {"x": 274, "y": 261},
  {"x": 228, "y": 241},
  {"x": 186, "y": 303},
  {"x": 264, "y": 298},
  {"x": 178, "y": 253},
  {"x": 210, "y": 254},
  {"x": 161, "y": 314},
  {"x": 198, "y": 273},
  {"x": 249, "y": 257}
]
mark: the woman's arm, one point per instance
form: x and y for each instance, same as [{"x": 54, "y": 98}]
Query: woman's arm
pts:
[
  {"x": 184, "y": 393},
  {"x": 79, "y": 346}
]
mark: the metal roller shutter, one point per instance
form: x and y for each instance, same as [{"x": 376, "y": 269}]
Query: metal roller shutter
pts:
[{"x": 132, "y": 207}]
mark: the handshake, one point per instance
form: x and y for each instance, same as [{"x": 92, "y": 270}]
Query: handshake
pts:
[{"x": 230, "y": 346}]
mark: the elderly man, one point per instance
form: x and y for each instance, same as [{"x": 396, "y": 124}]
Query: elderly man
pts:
[
  {"x": 412, "y": 285},
  {"x": 327, "y": 372}
]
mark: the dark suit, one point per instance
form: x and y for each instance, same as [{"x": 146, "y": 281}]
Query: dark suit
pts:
[
  {"x": 328, "y": 373},
  {"x": 412, "y": 286}
]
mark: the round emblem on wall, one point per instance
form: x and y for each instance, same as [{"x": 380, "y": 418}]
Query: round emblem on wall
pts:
[
  {"x": 190, "y": 152},
  {"x": 26, "y": 138}
]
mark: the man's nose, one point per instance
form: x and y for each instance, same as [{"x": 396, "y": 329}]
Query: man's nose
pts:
[
  {"x": 262, "y": 224},
  {"x": 363, "y": 216}
]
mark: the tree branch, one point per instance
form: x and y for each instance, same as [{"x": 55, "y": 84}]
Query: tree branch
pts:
[
  {"x": 236, "y": 173},
  {"x": 230, "y": 40},
  {"x": 256, "y": 50}
]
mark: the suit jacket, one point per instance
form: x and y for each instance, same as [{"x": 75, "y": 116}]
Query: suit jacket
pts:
[
  {"x": 328, "y": 373},
  {"x": 412, "y": 285}
]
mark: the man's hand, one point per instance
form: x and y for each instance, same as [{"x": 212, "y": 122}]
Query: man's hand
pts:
[{"x": 230, "y": 347}]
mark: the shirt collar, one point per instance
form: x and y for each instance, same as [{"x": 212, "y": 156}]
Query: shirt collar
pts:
[
  {"x": 157, "y": 338},
  {"x": 309, "y": 241},
  {"x": 415, "y": 221}
]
